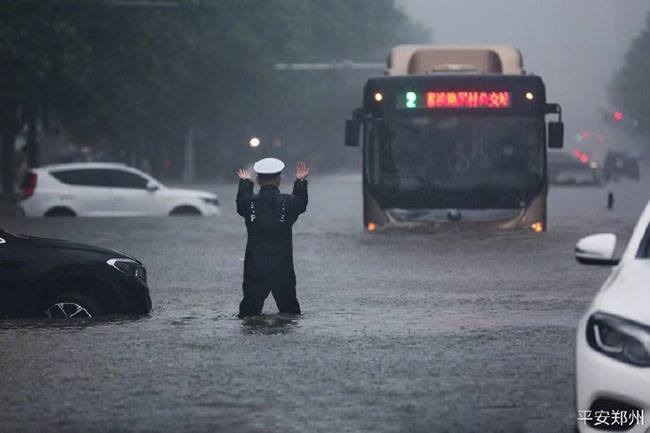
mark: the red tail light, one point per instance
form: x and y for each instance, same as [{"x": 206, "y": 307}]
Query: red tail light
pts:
[{"x": 30, "y": 185}]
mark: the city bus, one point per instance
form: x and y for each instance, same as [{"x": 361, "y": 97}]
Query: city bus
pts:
[{"x": 455, "y": 150}]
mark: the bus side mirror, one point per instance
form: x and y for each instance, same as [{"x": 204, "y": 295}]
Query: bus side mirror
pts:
[
  {"x": 555, "y": 135},
  {"x": 352, "y": 130}
]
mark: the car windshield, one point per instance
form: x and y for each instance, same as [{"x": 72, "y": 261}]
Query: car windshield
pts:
[{"x": 458, "y": 153}]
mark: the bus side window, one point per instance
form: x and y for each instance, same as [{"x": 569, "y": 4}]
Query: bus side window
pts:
[
  {"x": 367, "y": 148},
  {"x": 534, "y": 150},
  {"x": 387, "y": 146},
  {"x": 374, "y": 155}
]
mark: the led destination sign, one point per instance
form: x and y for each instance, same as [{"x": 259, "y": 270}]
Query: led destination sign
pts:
[{"x": 462, "y": 99}]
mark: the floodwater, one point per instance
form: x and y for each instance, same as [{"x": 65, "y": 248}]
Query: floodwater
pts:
[{"x": 402, "y": 331}]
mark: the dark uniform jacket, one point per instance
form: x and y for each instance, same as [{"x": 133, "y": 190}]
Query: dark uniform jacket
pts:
[{"x": 269, "y": 217}]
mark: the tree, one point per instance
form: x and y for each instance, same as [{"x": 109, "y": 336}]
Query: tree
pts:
[
  {"x": 151, "y": 81},
  {"x": 627, "y": 90},
  {"x": 40, "y": 54},
  {"x": 310, "y": 107}
]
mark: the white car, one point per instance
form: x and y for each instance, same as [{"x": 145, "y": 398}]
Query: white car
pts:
[
  {"x": 613, "y": 340},
  {"x": 106, "y": 189}
]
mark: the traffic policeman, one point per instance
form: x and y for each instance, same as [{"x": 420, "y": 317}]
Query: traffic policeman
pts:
[{"x": 269, "y": 216}]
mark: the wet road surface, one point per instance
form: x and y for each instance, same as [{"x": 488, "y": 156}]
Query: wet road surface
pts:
[{"x": 402, "y": 331}]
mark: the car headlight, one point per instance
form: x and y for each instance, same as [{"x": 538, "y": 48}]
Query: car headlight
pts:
[
  {"x": 209, "y": 200},
  {"x": 619, "y": 338},
  {"x": 129, "y": 267}
]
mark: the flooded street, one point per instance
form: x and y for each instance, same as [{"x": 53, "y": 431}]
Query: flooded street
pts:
[{"x": 402, "y": 331}]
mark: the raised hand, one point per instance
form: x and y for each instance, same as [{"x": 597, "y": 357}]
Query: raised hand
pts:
[
  {"x": 244, "y": 174},
  {"x": 301, "y": 170}
]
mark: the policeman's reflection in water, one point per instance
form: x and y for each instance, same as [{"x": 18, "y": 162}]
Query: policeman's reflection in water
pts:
[{"x": 269, "y": 216}]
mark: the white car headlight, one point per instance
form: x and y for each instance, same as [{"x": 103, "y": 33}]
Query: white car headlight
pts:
[
  {"x": 619, "y": 338},
  {"x": 130, "y": 268}
]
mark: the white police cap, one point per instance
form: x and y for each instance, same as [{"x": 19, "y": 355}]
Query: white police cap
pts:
[{"x": 268, "y": 167}]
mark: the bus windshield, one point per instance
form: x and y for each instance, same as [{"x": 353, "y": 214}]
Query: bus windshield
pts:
[{"x": 457, "y": 153}]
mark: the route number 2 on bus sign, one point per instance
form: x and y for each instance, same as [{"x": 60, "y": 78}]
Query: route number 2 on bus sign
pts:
[{"x": 411, "y": 98}]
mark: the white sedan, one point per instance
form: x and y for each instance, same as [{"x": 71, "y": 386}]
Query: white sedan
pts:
[
  {"x": 106, "y": 189},
  {"x": 613, "y": 340}
]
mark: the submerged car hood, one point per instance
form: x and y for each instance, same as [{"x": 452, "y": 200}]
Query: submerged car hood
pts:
[
  {"x": 628, "y": 295},
  {"x": 59, "y": 243}
]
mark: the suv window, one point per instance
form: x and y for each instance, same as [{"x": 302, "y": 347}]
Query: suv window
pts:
[
  {"x": 126, "y": 179},
  {"x": 82, "y": 177}
]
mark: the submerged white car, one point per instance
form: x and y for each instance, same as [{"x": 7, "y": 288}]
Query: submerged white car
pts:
[
  {"x": 613, "y": 340},
  {"x": 106, "y": 189}
]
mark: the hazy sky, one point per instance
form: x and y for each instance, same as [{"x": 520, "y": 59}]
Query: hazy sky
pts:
[{"x": 574, "y": 45}]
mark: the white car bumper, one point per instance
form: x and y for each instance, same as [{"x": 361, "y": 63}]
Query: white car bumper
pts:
[
  {"x": 210, "y": 210},
  {"x": 29, "y": 208}
]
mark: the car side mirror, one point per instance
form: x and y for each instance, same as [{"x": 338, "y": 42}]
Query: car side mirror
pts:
[
  {"x": 352, "y": 130},
  {"x": 556, "y": 135},
  {"x": 597, "y": 249},
  {"x": 152, "y": 186}
]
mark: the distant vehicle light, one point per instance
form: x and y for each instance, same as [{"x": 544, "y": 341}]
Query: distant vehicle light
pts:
[
  {"x": 371, "y": 226},
  {"x": 31, "y": 185},
  {"x": 254, "y": 142},
  {"x": 530, "y": 96},
  {"x": 537, "y": 227},
  {"x": 379, "y": 97},
  {"x": 577, "y": 153},
  {"x": 618, "y": 115},
  {"x": 584, "y": 158}
]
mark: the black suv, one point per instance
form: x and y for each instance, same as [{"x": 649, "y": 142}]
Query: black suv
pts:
[
  {"x": 53, "y": 278},
  {"x": 619, "y": 164}
]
